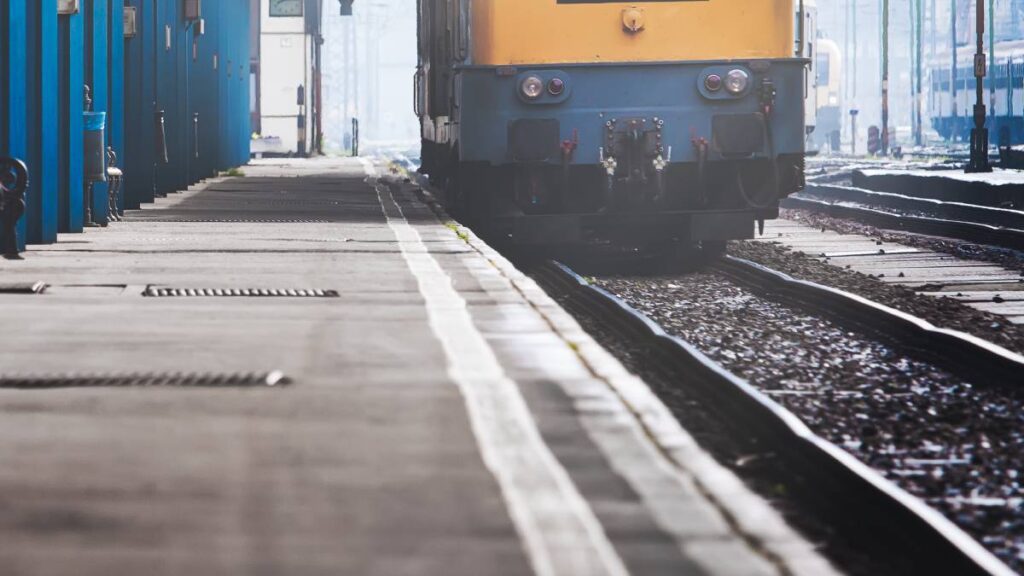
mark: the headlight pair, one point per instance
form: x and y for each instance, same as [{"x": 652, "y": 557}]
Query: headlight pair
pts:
[
  {"x": 532, "y": 87},
  {"x": 735, "y": 82}
]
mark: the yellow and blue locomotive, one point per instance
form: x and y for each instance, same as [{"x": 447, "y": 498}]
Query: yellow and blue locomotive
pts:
[{"x": 564, "y": 121}]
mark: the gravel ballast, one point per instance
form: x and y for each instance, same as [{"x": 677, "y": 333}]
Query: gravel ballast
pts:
[
  {"x": 955, "y": 445},
  {"x": 942, "y": 312}
]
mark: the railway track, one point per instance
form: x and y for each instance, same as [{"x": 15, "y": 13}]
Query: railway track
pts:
[
  {"x": 973, "y": 223},
  {"x": 855, "y": 502}
]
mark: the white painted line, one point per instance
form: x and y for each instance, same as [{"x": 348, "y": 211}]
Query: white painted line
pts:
[
  {"x": 559, "y": 531},
  {"x": 648, "y": 447}
]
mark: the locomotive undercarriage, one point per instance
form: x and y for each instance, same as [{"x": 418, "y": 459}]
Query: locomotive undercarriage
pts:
[{"x": 633, "y": 201}]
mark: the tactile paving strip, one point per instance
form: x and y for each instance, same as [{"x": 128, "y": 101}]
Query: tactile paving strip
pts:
[
  {"x": 145, "y": 380},
  {"x": 160, "y": 292}
]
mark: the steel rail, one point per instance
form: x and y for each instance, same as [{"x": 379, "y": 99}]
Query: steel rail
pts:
[
  {"x": 968, "y": 231},
  {"x": 867, "y": 511},
  {"x": 969, "y": 357}
]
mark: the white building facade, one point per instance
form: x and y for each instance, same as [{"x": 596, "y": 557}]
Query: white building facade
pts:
[{"x": 285, "y": 77}]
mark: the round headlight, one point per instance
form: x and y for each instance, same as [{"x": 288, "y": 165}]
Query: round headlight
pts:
[
  {"x": 736, "y": 82},
  {"x": 713, "y": 82},
  {"x": 532, "y": 87},
  {"x": 556, "y": 86}
]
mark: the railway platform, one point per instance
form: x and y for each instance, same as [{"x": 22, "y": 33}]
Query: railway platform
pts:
[
  {"x": 432, "y": 410},
  {"x": 1000, "y": 188}
]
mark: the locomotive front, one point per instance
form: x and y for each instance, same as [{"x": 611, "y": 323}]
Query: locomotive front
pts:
[{"x": 576, "y": 120}]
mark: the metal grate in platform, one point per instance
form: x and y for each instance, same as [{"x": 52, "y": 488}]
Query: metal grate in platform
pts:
[
  {"x": 146, "y": 380},
  {"x": 23, "y": 288},
  {"x": 164, "y": 292}
]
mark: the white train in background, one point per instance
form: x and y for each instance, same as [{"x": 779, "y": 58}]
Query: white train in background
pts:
[
  {"x": 823, "y": 104},
  {"x": 828, "y": 113}
]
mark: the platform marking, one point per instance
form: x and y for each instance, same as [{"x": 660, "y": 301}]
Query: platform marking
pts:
[{"x": 559, "y": 531}]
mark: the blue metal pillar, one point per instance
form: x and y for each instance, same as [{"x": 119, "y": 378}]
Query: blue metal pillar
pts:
[
  {"x": 205, "y": 96},
  {"x": 224, "y": 83},
  {"x": 13, "y": 54},
  {"x": 97, "y": 77},
  {"x": 71, "y": 52},
  {"x": 140, "y": 136},
  {"x": 244, "y": 132},
  {"x": 183, "y": 131},
  {"x": 40, "y": 221},
  {"x": 166, "y": 80},
  {"x": 233, "y": 38},
  {"x": 116, "y": 59}
]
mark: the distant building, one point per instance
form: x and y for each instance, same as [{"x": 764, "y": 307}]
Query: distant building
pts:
[
  {"x": 285, "y": 76},
  {"x": 369, "y": 64}
]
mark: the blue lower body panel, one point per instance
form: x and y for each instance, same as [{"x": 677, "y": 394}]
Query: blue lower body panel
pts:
[
  {"x": 595, "y": 141},
  {"x": 594, "y": 96}
]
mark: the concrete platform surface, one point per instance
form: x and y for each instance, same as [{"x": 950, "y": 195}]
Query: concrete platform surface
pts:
[{"x": 444, "y": 415}]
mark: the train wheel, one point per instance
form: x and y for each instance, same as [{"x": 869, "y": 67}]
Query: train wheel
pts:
[
  {"x": 471, "y": 187},
  {"x": 678, "y": 256},
  {"x": 713, "y": 249}
]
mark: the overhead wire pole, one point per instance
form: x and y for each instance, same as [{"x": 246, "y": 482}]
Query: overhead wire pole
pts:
[
  {"x": 933, "y": 49},
  {"x": 979, "y": 134},
  {"x": 854, "y": 28},
  {"x": 954, "y": 77},
  {"x": 849, "y": 90},
  {"x": 918, "y": 72},
  {"x": 992, "y": 54},
  {"x": 847, "y": 52},
  {"x": 885, "y": 77}
]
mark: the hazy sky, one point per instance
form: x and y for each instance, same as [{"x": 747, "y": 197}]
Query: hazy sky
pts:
[{"x": 383, "y": 65}]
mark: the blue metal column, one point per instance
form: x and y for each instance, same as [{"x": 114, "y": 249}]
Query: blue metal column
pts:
[
  {"x": 244, "y": 141},
  {"x": 140, "y": 137},
  {"x": 183, "y": 57},
  {"x": 14, "y": 134},
  {"x": 116, "y": 59},
  {"x": 204, "y": 77},
  {"x": 97, "y": 76},
  {"x": 233, "y": 38},
  {"x": 223, "y": 82},
  {"x": 166, "y": 72},
  {"x": 40, "y": 221},
  {"x": 71, "y": 51}
]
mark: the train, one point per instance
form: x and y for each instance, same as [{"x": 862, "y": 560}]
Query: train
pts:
[
  {"x": 553, "y": 122},
  {"x": 951, "y": 104},
  {"x": 809, "y": 50},
  {"x": 828, "y": 109},
  {"x": 823, "y": 106}
]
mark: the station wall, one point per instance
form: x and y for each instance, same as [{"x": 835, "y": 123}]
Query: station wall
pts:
[{"x": 191, "y": 73}]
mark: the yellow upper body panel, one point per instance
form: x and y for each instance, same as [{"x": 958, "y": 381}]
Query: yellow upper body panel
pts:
[{"x": 512, "y": 32}]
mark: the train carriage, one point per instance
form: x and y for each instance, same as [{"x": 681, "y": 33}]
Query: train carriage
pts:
[
  {"x": 564, "y": 121},
  {"x": 828, "y": 71},
  {"x": 952, "y": 103}
]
